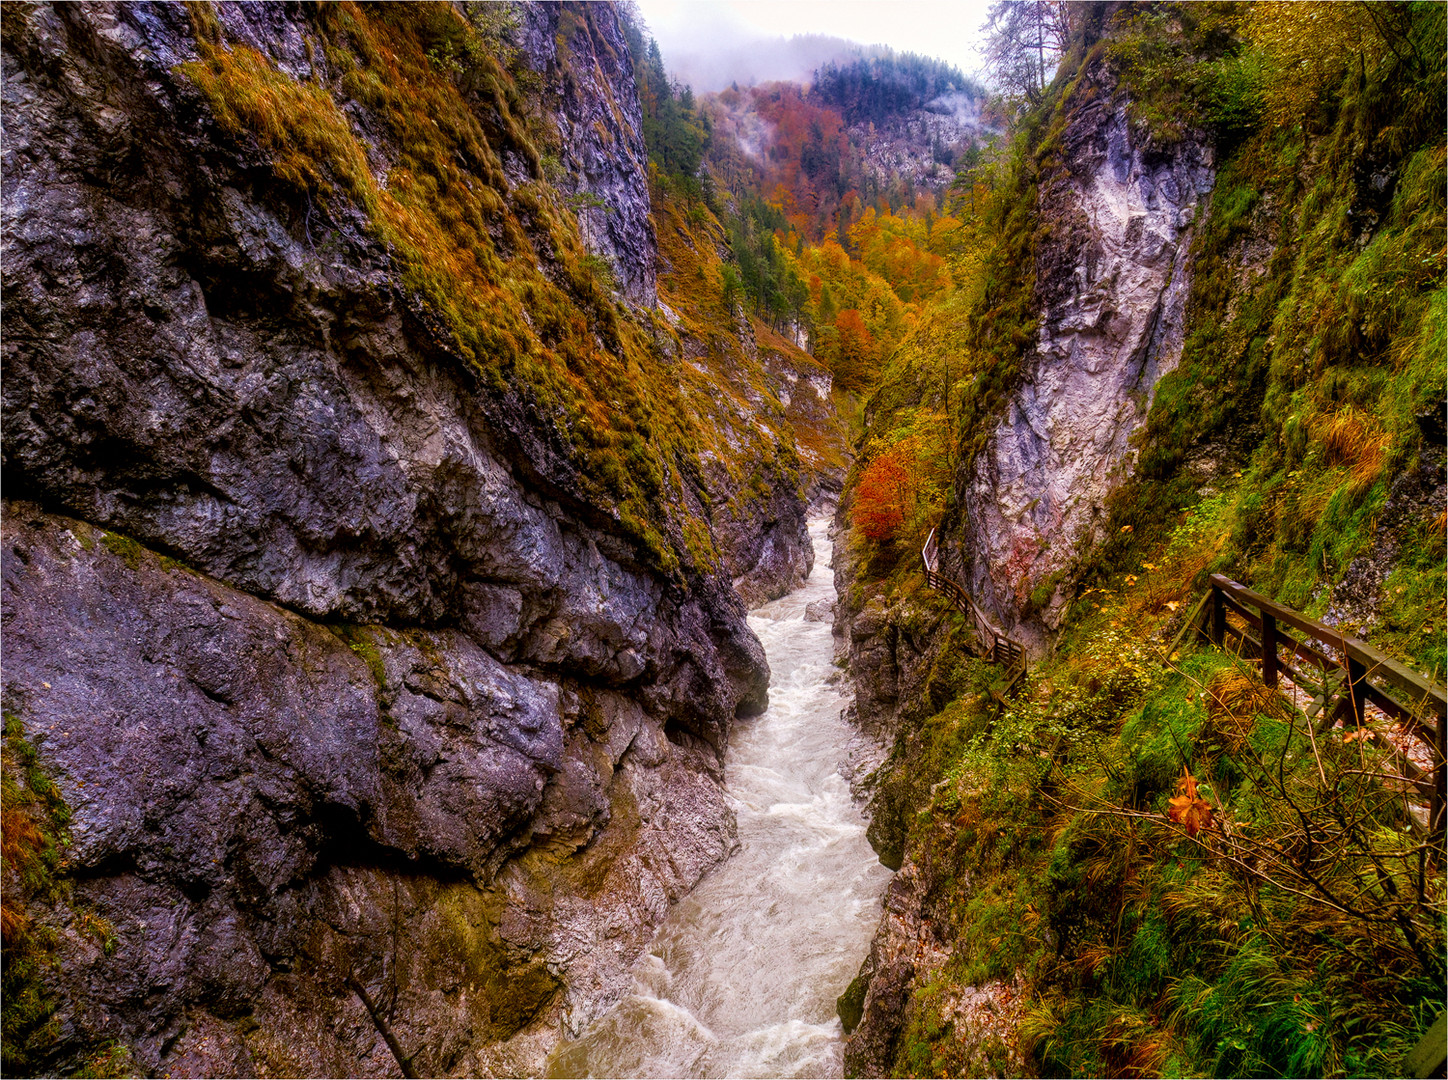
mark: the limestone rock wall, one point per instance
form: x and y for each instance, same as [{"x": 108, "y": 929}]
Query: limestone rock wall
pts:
[
  {"x": 580, "y": 51},
  {"x": 1112, "y": 279},
  {"x": 1113, "y": 276}
]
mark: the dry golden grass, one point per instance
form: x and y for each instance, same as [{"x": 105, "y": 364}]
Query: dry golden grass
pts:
[
  {"x": 1355, "y": 441},
  {"x": 1235, "y": 698},
  {"x": 20, "y": 843},
  {"x": 1134, "y": 1045}
]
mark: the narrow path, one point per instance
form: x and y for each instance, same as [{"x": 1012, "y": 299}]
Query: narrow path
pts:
[{"x": 743, "y": 977}]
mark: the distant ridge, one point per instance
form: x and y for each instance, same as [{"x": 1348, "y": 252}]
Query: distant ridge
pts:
[
  {"x": 876, "y": 86},
  {"x": 734, "y": 60}
]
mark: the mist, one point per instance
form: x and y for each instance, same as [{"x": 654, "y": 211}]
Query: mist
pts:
[
  {"x": 709, "y": 44},
  {"x": 964, "y": 107},
  {"x": 710, "y": 53}
]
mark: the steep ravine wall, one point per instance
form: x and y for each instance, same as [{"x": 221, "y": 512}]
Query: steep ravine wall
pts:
[
  {"x": 899, "y": 657},
  {"x": 384, "y": 746},
  {"x": 1113, "y": 274},
  {"x": 603, "y": 163}
]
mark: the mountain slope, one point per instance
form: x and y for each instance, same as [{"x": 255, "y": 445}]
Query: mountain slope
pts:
[{"x": 1273, "y": 389}]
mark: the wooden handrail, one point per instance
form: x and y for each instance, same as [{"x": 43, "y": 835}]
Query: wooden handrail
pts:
[
  {"x": 930, "y": 555},
  {"x": 1386, "y": 668},
  {"x": 1367, "y": 669},
  {"x": 994, "y": 645}
]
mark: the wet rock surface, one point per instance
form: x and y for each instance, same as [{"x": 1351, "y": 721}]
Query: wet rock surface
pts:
[
  {"x": 820, "y": 611},
  {"x": 582, "y": 55},
  {"x": 254, "y": 795},
  {"x": 379, "y": 737}
]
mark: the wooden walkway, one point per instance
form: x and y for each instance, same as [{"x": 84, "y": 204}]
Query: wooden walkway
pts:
[
  {"x": 991, "y": 644},
  {"x": 1349, "y": 674}
]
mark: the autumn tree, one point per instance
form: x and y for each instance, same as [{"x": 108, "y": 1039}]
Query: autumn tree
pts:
[
  {"x": 885, "y": 497},
  {"x": 856, "y": 357}
]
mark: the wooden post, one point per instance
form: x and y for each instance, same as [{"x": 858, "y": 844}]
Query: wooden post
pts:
[
  {"x": 1440, "y": 774},
  {"x": 1219, "y": 618},
  {"x": 1357, "y": 691},
  {"x": 1269, "y": 649},
  {"x": 1429, "y": 1056}
]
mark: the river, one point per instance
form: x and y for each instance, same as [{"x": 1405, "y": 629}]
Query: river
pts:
[{"x": 743, "y": 976}]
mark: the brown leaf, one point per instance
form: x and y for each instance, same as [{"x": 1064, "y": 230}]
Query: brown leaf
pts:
[{"x": 1188, "y": 810}]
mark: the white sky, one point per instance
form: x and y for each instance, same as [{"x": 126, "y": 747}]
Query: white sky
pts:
[{"x": 947, "y": 29}]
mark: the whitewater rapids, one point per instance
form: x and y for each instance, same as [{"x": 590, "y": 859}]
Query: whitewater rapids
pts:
[{"x": 743, "y": 976}]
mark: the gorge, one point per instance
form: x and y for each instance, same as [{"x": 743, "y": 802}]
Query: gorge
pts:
[
  {"x": 744, "y": 976},
  {"x": 463, "y": 504}
]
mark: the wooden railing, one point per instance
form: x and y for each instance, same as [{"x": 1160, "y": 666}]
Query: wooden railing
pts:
[
  {"x": 1350, "y": 673},
  {"x": 992, "y": 645}
]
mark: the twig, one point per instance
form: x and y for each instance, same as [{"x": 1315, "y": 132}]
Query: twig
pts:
[{"x": 404, "y": 1062}]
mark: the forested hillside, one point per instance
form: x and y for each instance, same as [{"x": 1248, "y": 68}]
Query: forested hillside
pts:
[
  {"x": 821, "y": 250},
  {"x": 878, "y": 89}
]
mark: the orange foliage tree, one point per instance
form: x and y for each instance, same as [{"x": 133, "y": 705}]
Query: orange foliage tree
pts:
[
  {"x": 885, "y": 498},
  {"x": 856, "y": 353}
]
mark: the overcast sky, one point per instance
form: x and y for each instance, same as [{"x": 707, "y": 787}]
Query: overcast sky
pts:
[{"x": 690, "y": 31}]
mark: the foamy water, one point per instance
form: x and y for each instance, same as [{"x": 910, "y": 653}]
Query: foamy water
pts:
[{"x": 743, "y": 976}]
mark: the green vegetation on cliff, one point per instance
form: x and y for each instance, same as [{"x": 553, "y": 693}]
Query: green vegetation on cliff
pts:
[
  {"x": 1298, "y": 447},
  {"x": 1317, "y": 314},
  {"x": 499, "y": 262}
]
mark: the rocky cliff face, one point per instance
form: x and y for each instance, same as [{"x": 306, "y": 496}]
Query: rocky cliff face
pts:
[
  {"x": 386, "y": 743},
  {"x": 770, "y": 443},
  {"x": 603, "y": 164},
  {"x": 269, "y": 814},
  {"x": 1112, "y": 279},
  {"x": 761, "y": 521},
  {"x": 916, "y": 146}
]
